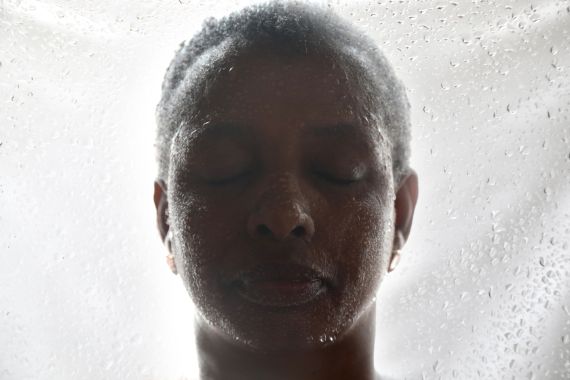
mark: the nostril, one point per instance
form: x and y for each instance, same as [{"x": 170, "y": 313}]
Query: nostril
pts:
[
  {"x": 263, "y": 230},
  {"x": 299, "y": 231}
]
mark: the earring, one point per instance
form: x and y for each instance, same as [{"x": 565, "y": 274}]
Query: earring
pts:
[
  {"x": 170, "y": 256},
  {"x": 171, "y": 263},
  {"x": 397, "y": 251},
  {"x": 395, "y": 260}
]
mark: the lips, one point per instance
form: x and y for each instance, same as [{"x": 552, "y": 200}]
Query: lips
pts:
[{"x": 280, "y": 285}]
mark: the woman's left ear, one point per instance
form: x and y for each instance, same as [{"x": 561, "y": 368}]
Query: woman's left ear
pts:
[{"x": 404, "y": 206}]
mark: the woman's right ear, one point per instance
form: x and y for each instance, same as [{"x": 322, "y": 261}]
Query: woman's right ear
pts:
[{"x": 161, "y": 204}]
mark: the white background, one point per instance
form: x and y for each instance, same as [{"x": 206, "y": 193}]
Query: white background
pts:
[{"x": 483, "y": 290}]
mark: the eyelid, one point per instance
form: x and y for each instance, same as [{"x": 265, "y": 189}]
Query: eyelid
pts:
[
  {"x": 228, "y": 180},
  {"x": 336, "y": 180},
  {"x": 346, "y": 172}
]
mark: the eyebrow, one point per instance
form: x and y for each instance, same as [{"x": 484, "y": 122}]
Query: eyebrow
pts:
[
  {"x": 338, "y": 130},
  {"x": 209, "y": 131}
]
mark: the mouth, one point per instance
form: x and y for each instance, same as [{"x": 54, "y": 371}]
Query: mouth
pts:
[{"x": 280, "y": 286}]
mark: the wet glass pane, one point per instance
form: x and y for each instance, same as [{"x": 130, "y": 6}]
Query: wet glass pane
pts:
[{"x": 482, "y": 289}]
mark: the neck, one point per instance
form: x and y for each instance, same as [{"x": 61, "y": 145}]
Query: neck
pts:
[{"x": 351, "y": 357}]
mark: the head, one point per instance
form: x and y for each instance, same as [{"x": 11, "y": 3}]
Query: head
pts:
[{"x": 283, "y": 147}]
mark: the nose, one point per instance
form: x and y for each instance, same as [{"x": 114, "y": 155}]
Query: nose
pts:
[{"x": 281, "y": 214}]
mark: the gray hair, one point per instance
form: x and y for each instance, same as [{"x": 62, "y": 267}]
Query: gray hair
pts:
[{"x": 293, "y": 29}]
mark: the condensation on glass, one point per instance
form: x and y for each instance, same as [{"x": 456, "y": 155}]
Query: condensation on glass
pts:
[{"x": 483, "y": 288}]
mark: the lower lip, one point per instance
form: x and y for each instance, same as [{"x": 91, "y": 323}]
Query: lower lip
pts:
[{"x": 280, "y": 293}]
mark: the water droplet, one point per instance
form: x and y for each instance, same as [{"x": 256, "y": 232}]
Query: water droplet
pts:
[{"x": 435, "y": 366}]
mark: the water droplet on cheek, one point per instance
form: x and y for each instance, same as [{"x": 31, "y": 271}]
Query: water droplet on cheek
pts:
[{"x": 324, "y": 339}]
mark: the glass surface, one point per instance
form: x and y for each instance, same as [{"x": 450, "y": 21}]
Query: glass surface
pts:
[{"x": 483, "y": 289}]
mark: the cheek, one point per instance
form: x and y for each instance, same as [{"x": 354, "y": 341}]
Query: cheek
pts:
[
  {"x": 206, "y": 230},
  {"x": 366, "y": 247},
  {"x": 191, "y": 227}
]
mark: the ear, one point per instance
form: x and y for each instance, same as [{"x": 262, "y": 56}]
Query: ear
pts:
[
  {"x": 161, "y": 204},
  {"x": 404, "y": 206}
]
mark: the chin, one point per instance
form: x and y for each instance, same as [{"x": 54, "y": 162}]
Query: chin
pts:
[{"x": 267, "y": 327}]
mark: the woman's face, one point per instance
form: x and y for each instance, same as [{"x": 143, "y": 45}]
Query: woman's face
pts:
[{"x": 281, "y": 202}]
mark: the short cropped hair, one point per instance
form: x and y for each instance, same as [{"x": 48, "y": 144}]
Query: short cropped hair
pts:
[{"x": 290, "y": 29}]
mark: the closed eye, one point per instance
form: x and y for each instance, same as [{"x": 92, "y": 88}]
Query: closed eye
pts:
[
  {"x": 234, "y": 179},
  {"x": 336, "y": 180}
]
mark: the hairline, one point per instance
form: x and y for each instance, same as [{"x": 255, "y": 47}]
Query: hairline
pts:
[{"x": 182, "y": 104}]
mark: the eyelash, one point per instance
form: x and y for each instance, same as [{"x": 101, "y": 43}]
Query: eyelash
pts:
[
  {"x": 337, "y": 181},
  {"x": 229, "y": 180}
]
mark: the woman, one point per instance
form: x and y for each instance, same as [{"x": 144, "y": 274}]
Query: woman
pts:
[{"x": 284, "y": 193}]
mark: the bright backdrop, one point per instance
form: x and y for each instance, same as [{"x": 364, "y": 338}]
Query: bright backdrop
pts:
[{"x": 483, "y": 290}]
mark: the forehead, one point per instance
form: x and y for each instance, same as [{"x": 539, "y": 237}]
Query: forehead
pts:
[{"x": 262, "y": 84}]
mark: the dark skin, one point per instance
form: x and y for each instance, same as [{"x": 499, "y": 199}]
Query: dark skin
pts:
[{"x": 284, "y": 215}]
